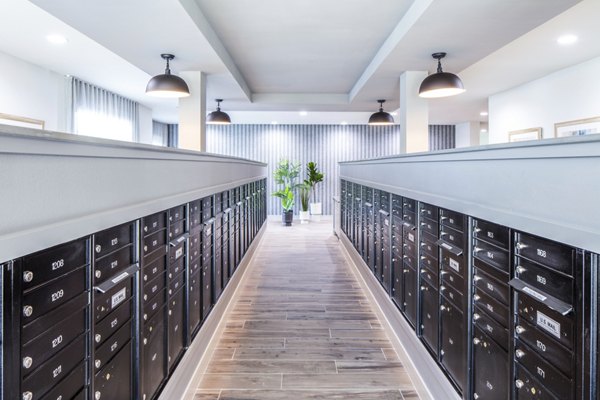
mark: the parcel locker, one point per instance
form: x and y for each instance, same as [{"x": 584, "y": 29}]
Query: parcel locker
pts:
[
  {"x": 225, "y": 243},
  {"x": 368, "y": 226},
  {"x": 410, "y": 257},
  {"x": 218, "y": 257},
  {"x": 397, "y": 261},
  {"x": 207, "y": 267}
]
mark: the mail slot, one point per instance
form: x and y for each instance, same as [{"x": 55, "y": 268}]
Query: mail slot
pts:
[
  {"x": 70, "y": 387},
  {"x": 109, "y": 240},
  {"x": 491, "y": 327},
  {"x": 428, "y": 211},
  {"x": 54, "y": 370},
  {"x": 46, "y": 265},
  {"x": 45, "y": 298},
  {"x": 490, "y": 368},
  {"x": 490, "y": 285},
  {"x": 152, "y": 288},
  {"x": 528, "y": 388},
  {"x": 105, "y": 328},
  {"x": 114, "y": 380},
  {"x": 151, "y": 271},
  {"x": 548, "y": 375},
  {"x": 177, "y": 213},
  {"x": 106, "y": 351},
  {"x": 495, "y": 309},
  {"x": 547, "y": 348},
  {"x": 113, "y": 264},
  {"x": 56, "y": 338},
  {"x": 554, "y": 255},
  {"x": 176, "y": 229},
  {"x": 104, "y": 303},
  {"x": 154, "y": 241},
  {"x": 491, "y": 233},
  {"x": 491, "y": 255},
  {"x": 176, "y": 283},
  {"x": 152, "y": 368},
  {"x": 154, "y": 223},
  {"x": 552, "y": 323},
  {"x": 545, "y": 279},
  {"x": 452, "y": 236},
  {"x": 452, "y": 219}
]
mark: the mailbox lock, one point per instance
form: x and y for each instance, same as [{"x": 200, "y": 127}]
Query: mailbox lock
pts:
[
  {"x": 520, "y": 269},
  {"x": 476, "y": 297},
  {"x": 443, "y": 308},
  {"x": 27, "y": 311},
  {"x": 476, "y": 341},
  {"x": 519, "y": 383},
  {"x": 27, "y": 362},
  {"x": 475, "y": 396},
  {"x": 98, "y": 363},
  {"x": 476, "y": 278},
  {"x": 442, "y": 288},
  {"x": 519, "y": 329},
  {"x": 97, "y": 395},
  {"x": 27, "y": 395},
  {"x": 98, "y": 248},
  {"x": 98, "y": 274},
  {"x": 145, "y": 341},
  {"x": 98, "y": 337},
  {"x": 27, "y": 276},
  {"x": 519, "y": 353},
  {"x": 476, "y": 317}
]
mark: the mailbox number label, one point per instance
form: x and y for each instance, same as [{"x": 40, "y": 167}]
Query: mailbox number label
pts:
[
  {"x": 58, "y": 295},
  {"x": 56, "y": 341},
  {"x": 58, "y": 264},
  {"x": 118, "y": 297},
  {"x": 548, "y": 324},
  {"x": 454, "y": 265}
]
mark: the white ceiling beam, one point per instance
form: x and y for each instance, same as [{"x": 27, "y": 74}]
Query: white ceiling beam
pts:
[
  {"x": 211, "y": 36},
  {"x": 301, "y": 98},
  {"x": 411, "y": 17}
]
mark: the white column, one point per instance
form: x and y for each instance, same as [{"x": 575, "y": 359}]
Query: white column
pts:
[
  {"x": 192, "y": 112},
  {"x": 467, "y": 134},
  {"x": 414, "y": 114}
]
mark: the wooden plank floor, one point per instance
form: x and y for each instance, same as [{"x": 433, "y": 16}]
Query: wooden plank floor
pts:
[{"x": 302, "y": 328}]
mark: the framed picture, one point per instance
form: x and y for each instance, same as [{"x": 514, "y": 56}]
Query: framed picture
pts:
[
  {"x": 25, "y": 122},
  {"x": 578, "y": 127},
  {"x": 525, "y": 134}
]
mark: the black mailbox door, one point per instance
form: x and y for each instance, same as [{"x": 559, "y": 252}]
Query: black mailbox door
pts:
[
  {"x": 453, "y": 337},
  {"x": 490, "y": 369}
]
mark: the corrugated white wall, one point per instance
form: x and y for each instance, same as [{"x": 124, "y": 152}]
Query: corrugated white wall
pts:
[{"x": 324, "y": 144}]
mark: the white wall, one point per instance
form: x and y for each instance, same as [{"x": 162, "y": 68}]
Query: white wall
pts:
[
  {"x": 467, "y": 134},
  {"x": 145, "y": 115},
  {"x": 569, "y": 94},
  {"x": 27, "y": 90}
]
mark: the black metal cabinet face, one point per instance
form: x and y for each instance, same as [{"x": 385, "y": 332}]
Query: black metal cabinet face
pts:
[
  {"x": 194, "y": 302},
  {"x": 154, "y": 241},
  {"x": 154, "y": 223},
  {"x": 545, "y": 279},
  {"x": 112, "y": 264},
  {"x": 105, "y": 328},
  {"x": 106, "y": 351},
  {"x": 70, "y": 387},
  {"x": 452, "y": 219},
  {"x": 104, "y": 303},
  {"x": 109, "y": 240},
  {"x": 410, "y": 295},
  {"x": 453, "y": 353},
  {"x": 46, "y": 265},
  {"x": 496, "y": 310},
  {"x": 490, "y": 369},
  {"x": 554, "y": 255},
  {"x": 491, "y": 327},
  {"x": 492, "y": 233},
  {"x": 206, "y": 289},
  {"x": 429, "y": 311},
  {"x": 176, "y": 328},
  {"x": 491, "y": 255},
  {"x": 152, "y": 369},
  {"x": 113, "y": 382},
  {"x": 528, "y": 388},
  {"x": 491, "y": 282},
  {"x": 176, "y": 213}
]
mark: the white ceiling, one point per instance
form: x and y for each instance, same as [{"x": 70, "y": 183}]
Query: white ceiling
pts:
[{"x": 314, "y": 55}]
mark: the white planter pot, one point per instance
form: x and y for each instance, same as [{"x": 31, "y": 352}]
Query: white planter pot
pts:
[
  {"x": 304, "y": 216},
  {"x": 315, "y": 209}
]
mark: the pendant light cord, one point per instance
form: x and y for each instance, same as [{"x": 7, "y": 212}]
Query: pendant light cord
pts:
[
  {"x": 168, "y": 69},
  {"x": 439, "y": 69}
]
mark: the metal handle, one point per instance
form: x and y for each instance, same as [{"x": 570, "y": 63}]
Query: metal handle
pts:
[
  {"x": 443, "y": 308},
  {"x": 405, "y": 270},
  {"x": 477, "y": 249},
  {"x": 27, "y": 396},
  {"x": 423, "y": 288},
  {"x": 477, "y": 278},
  {"x": 27, "y": 276},
  {"x": 442, "y": 288},
  {"x": 27, "y": 362},
  {"x": 476, "y": 297},
  {"x": 98, "y": 338},
  {"x": 519, "y": 383},
  {"x": 519, "y": 329},
  {"x": 27, "y": 311},
  {"x": 520, "y": 246},
  {"x": 519, "y": 269},
  {"x": 519, "y": 353},
  {"x": 476, "y": 317},
  {"x": 476, "y": 341}
]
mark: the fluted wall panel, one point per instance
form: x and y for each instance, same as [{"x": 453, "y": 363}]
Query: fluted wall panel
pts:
[{"x": 324, "y": 144}]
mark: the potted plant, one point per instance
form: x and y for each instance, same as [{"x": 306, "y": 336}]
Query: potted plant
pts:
[
  {"x": 285, "y": 174},
  {"x": 314, "y": 177},
  {"x": 304, "y": 199}
]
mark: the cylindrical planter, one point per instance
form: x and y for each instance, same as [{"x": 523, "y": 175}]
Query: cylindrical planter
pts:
[
  {"x": 315, "y": 209},
  {"x": 304, "y": 216},
  {"x": 287, "y": 218}
]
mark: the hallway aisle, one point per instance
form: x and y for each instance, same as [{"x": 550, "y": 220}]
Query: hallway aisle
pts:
[{"x": 302, "y": 328}]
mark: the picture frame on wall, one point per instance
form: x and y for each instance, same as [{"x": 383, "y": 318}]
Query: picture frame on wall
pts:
[
  {"x": 25, "y": 122},
  {"x": 523, "y": 135},
  {"x": 579, "y": 127}
]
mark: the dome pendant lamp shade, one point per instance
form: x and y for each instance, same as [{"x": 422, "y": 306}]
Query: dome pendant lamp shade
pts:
[
  {"x": 167, "y": 85},
  {"x": 218, "y": 117},
  {"x": 440, "y": 84},
  {"x": 381, "y": 117}
]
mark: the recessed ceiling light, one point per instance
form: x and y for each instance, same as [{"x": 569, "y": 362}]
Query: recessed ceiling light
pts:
[
  {"x": 483, "y": 113},
  {"x": 56, "y": 39},
  {"x": 566, "y": 40},
  {"x": 343, "y": 123},
  {"x": 303, "y": 113},
  {"x": 483, "y": 131},
  {"x": 273, "y": 122}
]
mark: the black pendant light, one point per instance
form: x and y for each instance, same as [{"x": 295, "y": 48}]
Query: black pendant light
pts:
[
  {"x": 381, "y": 117},
  {"x": 441, "y": 84},
  {"x": 167, "y": 85},
  {"x": 218, "y": 117}
]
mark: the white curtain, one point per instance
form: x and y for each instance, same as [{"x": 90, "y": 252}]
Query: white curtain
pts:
[
  {"x": 164, "y": 134},
  {"x": 94, "y": 111}
]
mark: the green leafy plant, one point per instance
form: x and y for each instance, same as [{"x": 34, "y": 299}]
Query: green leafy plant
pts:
[
  {"x": 285, "y": 174},
  {"x": 304, "y": 195},
  {"x": 314, "y": 176}
]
